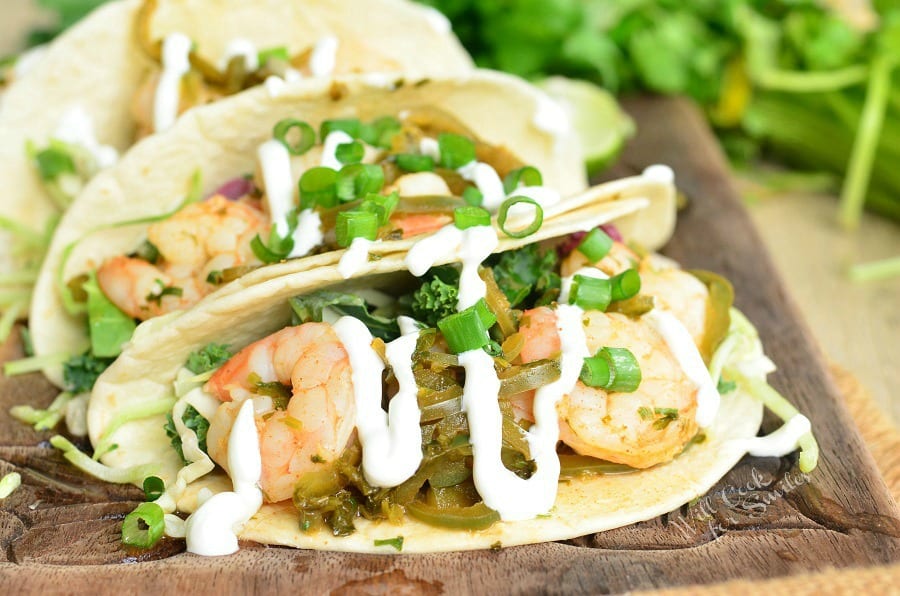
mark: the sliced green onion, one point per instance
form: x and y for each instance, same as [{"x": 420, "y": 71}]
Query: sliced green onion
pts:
[
  {"x": 348, "y": 153},
  {"x": 318, "y": 188},
  {"x": 276, "y": 53},
  {"x": 149, "y": 515},
  {"x": 531, "y": 228},
  {"x": 525, "y": 176},
  {"x": 382, "y": 205},
  {"x": 595, "y": 245},
  {"x": 381, "y": 132},
  {"x": 154, "y": 487},
  {"x": 412, "y": 162},
  {"x": 357, "y": 180},
  {"x": 469, "y": 216},
  {"x": 397, "y": 542},
  {"x": 306, "y": 135},
  {"x": 467, "y": 329},
  {"x": 624, "y": 369},
  {"x": 351, "y": 126},
  {"x": 473, "y": 196},
  {"x": 595, "y": 372},
  {"x": 484, "y": 313},
  {"x": 355, "y": 224},
  {"x": 456, "y": 150},
  {"x": 590, "y": 293},
  {"x": 53, "y": 162},
  {"x": 11, "y": 482},
  {"x": 626, "y": 284}
]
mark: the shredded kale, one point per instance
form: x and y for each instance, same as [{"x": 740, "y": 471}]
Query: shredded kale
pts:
[
  {"x": 194, "y": 421},
  {"x": 527, "y": 276},
  {"x": 434, "y": 300},
  {"x": 211, "y": 357},
  {"x": 312, "y": 307},
  {"x": 81, "y": 372}
]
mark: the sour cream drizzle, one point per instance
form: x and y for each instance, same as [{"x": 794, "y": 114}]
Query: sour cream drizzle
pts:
[
  {"x": 324, "y": 56},
  {"x": 391, "y": 441},
  {"x": 243, "y": 48},
  {"x": 75, "y": 127},
  {"x": 471, "y": 246},
  {"x": 512, "y": 497},
  {"x": 176, "y": 63},
  {"x": 329, "y": 149},
  {"x": 488, "y": 182},
  {"x": 212, "y": 529},
  {"x": 356, "y": 256},
  {"x": 780, "y": 442},
  {"x": 683, "y": 348}
]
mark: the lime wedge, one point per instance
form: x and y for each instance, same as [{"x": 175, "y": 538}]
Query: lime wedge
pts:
[{"x": 601, "y": 124}]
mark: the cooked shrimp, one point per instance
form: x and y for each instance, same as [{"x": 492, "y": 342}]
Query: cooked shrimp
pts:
[
  {"x": 203, "y": 237},
  {"x": 638, "y": 429},
  {"x": 320, "y": 417},
  {"x": 674, "y": 290}
]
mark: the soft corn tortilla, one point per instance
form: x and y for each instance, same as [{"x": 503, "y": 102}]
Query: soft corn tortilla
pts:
[
  {"x": 99, "y": 65},
  {"x": 143, "y": 375},
  {"x": 220, "y": 141}
]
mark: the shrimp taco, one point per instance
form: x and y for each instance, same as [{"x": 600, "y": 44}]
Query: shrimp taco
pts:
[
  {"x": 131, "y": 67},
  {"x": 321, "y": 173},
  {"x": 538, "y": 390}
]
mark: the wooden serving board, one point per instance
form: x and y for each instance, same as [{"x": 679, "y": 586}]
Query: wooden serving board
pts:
[{"x": 60, "y": 531}]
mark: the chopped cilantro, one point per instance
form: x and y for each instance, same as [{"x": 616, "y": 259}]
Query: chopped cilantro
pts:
[
  {"x": 211, "y": 357},
  {"x": 397, "y": 542},
  {"x": 195, "y": 422},
  {"x": 161, "y": 289},
  {"x": 666, "y": 416},
  {"x": 81, "y": 372},
  {"x": 726, "y": 386}
]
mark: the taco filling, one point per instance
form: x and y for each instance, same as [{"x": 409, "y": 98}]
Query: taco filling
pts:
[{"x": 502, "y": 378}]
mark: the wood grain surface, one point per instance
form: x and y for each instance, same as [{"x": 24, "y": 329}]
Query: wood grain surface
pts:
[{"x": 59, "y": 533}]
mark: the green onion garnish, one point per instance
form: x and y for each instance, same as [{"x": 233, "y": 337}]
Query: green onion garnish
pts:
[
  {"x": 412, "y": 162},
  {"x": 154, "y": 487},
  {"x": 351, "y": 126},
  {"x": 456, "y": 150},
  {"x": 318, "y": 188},
  {"x": 526, "y": 176},
  {"x": 276, "y": 53},
  {"x": 590, "y": 293},
  {"x": 347, "y": 153},
  {"x": 381, "y": 132},
  {"x": 357, "y": 180},
  {"x": 397, "y": 542},
  {"x": 53, "y": 162},
  {"x": 467, "y": 329},
  {"x": 473, "y": 196},
  {"x": 625, "y": 285},
  {"x": 355, "y": 224},
  {"x": 595, "y": 372},
  {"x": 595, "y": 245},
  {"x": 151, "y": 517},
  {"x": 533, "y": 227},
  {"x": 382, "y": 205},
  {"x": 306, "y": 136},
  {"x": 624, "y": 369},
  {"x": 468, "y": 217}
]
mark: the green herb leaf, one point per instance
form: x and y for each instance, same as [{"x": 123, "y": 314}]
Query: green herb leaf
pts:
[
  {"x": 211, "y": 357},
  {"x": 312, "y": 307}
]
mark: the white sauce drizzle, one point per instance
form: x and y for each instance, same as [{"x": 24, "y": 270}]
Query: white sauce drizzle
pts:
[
  {"x": 683, "y": 348},
  {"x": 356, "y": 256},
  {"x": 430, "y": 147},
  {"x": 488, "y": 182},
  {"x": 76, "y": 128},
  {"x": 659, "y": 173},
  {"x": 512, "y": 497},
  {"x": 324, "y": 56},
  {"x": 391, "y": 441},
  {"x": 566, "y": 285},
  {"x": 780, "y": 442},
  {"x": 308, "y": 234},
  {"x": 550, "y": 116},
  {"x": 212, "y": 529},
  {"x": 471, "y": 246},
  {"x": 275, "y": 162},
  {"x": 329, "y": 149},
  {"x": 176, "y": 63},
  {"x": 243, "y": 48}
]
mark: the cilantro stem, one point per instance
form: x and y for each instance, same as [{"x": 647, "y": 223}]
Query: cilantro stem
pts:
[
  {"x": 862, "y": 156},
  {"x": 875, "y": 270},
  {"x": 811, "y": 82}
]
